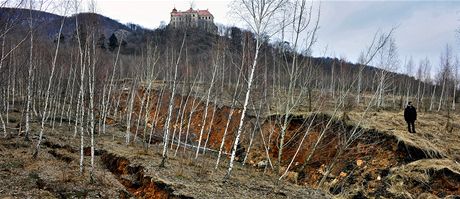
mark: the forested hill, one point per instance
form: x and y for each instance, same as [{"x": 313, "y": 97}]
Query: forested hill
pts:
[
  {"x": 47, "y": 25},
  {"x": 200, "y": 46}
]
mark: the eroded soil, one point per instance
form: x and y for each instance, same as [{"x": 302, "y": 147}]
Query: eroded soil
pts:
[{"x": 125, "y": 171}]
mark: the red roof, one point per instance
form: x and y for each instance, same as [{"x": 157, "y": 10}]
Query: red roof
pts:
[
  {"x": 189, "y": 11},
  {"x": 204, "y": 12}
]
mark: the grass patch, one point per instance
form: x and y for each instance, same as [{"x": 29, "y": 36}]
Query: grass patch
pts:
[
  {"x": 12, "y": 165},
  {"x": 34, "y": 175}
]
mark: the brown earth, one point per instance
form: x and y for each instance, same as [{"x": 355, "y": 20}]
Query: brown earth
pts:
[
  {"x": 123, "y": 171},
  {"x": 384, "y": 161},
  {"x": 364, "y": 168}
]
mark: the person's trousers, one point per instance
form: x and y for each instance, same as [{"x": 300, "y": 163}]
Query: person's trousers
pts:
[{"x": 411, "y": 126}]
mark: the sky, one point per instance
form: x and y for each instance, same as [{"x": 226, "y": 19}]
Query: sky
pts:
[{"x": 423, "y": 28}]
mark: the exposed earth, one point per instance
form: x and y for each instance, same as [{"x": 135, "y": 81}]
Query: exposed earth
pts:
[{"x": 383, "y": 162}]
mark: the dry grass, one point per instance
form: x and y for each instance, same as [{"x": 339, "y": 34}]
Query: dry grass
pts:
[
  {"x": 406, "y": 177},
  {"x": 419, "y": 170},
  {"x": 432, "y": 135}
]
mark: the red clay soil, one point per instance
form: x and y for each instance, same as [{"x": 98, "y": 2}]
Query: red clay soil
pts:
[
  {"x": 365, "y": 162},
  {"x": 132, "y": 177},
  {"x": 218, "y": 126}
]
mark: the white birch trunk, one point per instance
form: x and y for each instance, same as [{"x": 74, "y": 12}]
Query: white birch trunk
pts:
[
  {"x": 183, "y": 118},
  {"x": 91, "y": 85},
  {"x": 418, "y": 92},
  {"x": 453, "y": 97},
  {"x": 109, "y": 94},
  {"x": 245, "y": 107},
  {"x": 194, "y": 107},
  {"x": 69, "y": 112},
  {"x": 407, "y": 94},
  {"x": 432, "y": 98},
  {"x": 129, "y": 114},
  {"x": 7, "y": 100},
  {"x": 30, "y": 78},
  {"x": 171, "y": 103},
  {"x": 50, "y": 81},
  {"x": 155, "y": 116},
  {"x": 442, "y": 94},
  {"x": 210, "y": 126},
  {"x": 203, "y": 124},
  {"x": 358, "y": 92}
]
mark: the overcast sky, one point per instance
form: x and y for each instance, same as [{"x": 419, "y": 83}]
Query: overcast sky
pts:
[{"x": 346, "y": 27}]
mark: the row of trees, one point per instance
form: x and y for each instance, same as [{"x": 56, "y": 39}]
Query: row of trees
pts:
[{"x": 157, "y": 92}]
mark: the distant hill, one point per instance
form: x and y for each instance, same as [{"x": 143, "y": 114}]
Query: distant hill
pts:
[{"x": 48, "y": 24}]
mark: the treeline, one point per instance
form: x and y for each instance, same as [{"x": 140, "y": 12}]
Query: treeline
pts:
[{"x": 133, "y": 40}]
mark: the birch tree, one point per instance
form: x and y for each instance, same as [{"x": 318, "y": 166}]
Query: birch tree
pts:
[
  {"x": 170, "y": 107},
  {"x": 30, "y": 71},
  {"x": 455, "y": 82},
  {"x": 47, "y": 95},
  {"x": 377, "y": 45},
  {"x": 388, "y": 62},
  {"x": 445, "y": 73},
  {"x": 106, "y": 100},
  {"x": 302, "y": 22},
  {"x": 258, "y": 15},
  {"x": 409, "y": 68},
  {"x": 361, "y": 60},
  {"x": 419, "y": 77},
  {"x": 234, "y": 98},
  {"x": 91, "y": 88},
  {"x": 82, "y": 57},
  {"x": 206, "y": 109}
]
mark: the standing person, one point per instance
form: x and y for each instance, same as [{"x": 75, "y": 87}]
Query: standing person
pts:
[{"x": 410, "y": 115}]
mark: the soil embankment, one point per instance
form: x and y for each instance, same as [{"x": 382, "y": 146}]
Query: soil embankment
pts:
[
  {"x": 134, "y": 179},
  {"x": 366, "y": 165}
]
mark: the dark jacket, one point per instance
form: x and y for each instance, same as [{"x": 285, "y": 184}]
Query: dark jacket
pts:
[{"x": 410, "y": 113}]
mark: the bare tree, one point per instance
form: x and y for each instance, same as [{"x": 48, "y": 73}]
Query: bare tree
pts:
[
  {"x": 170, "y": 108},
  {"x": 106, "y": 100},
  {"x": 258, "y": 15},
  {"x": 409, "y": 68},
  {"x": 455, "y": 81},
  {"x": 361, "y": 60},
  {"x": 235, "y": 97},
  {"x": 83, "y": 53},
  {"x": 206, "y": 109},
  {"x": 129, "y": 112},
  {"x": 419, "y": 76},
  {"x": 388, "y": 62},
  {"x": 377, "y": 45},
  {"x": 31, "y": 69},
  {"x": 47, "y": 95},
  {"x": 445, "y": 73},
  {"x": 302, "y": 21}
]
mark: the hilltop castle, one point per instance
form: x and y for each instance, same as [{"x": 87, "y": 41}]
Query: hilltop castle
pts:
[{"x": 201, "y": 19}]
